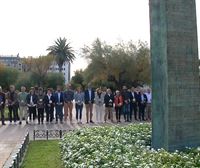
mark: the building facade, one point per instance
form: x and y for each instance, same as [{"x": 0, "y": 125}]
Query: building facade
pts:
[
  {"x": 65, "y": 70},
  {"x": 12, "y": 61},
  {"x": 16, "y": 62}
]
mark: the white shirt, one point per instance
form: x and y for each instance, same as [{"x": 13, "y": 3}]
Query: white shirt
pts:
[
  {"x": 31, "y": 100},
  {"x": 59, "y": 97},
  {"x": 149, "y": 97},
  {"x": 90, "y": 94}
]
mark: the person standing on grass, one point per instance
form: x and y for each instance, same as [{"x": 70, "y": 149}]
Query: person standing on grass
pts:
[
  {"x": 12, "y": 104},
  {"x": 49, "y": 105},
  {"x": 2, "y": 105},
  {"x": 23, "y": 105},
  {"x": 89, "y": 101},
  {"x": 40, "y": 105},
  {"x": 31, "y": 100},
  {"x": 68, "y": 105},
  {"x": 108, "y": 100},
  {"x": 99, "y": 101},
  {"x": 79, "y": 99},
  {"x": 118, "y": 105},
  {"x": 59, "y": 103}
]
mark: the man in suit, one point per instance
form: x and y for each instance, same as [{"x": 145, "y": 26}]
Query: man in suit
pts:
[
  {"x": 40, "y": 105},
  {"x": 49, "y": 105},
  {"x": 108, "y": 100},
  {"x": 12, "y": 103},
  {"x": 126, "y": 104},
  {"x": 2, "y": 105},
  {"x": 89, "y": 100},
  {"x": 68, "y": 102},
  {"x": 142, "y": 101},
  {"x": 133, "y": 103},
  {"x": 31, "y": 100},
  {"x": 59, "y": 102}
]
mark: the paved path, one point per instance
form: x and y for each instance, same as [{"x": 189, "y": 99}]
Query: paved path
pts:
[{"x": 12, "y": 135}]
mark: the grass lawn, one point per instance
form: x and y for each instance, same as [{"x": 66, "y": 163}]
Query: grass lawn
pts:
[{"x": 43, "y": 154}]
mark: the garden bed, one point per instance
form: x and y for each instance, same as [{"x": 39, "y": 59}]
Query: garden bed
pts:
[{"x": 117, "y": 147}]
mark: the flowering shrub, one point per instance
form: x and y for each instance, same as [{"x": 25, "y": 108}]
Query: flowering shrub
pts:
[{"x": 121, "y": 147}]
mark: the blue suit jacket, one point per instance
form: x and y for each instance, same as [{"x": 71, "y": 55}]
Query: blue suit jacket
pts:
[
  {"x": 61, "y": 97},
  {"x": 87, "y": 96}
]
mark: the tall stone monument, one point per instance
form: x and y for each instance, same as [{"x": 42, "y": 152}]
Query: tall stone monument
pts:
[{"x": 175, "y": 74}]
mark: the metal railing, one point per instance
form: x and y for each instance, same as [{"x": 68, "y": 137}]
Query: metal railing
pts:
[
  {"x": 49, "y": 134},
  {"x": 17, "y": 158}
]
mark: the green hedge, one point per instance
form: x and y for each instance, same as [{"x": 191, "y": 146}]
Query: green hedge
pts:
[{"x": 117, "y": 147}]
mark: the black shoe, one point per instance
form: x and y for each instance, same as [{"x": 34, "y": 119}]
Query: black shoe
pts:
[
  {"x": 91, "y": 121},
  {"x": 56, "y": 122},
  {"x": 3, "y": 124},
  {"x": 26, "y": 122},
  {"x": 20, "y": 123}
]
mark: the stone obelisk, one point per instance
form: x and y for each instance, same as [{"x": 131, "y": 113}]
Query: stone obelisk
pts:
[{"x": 175, "y": 74}]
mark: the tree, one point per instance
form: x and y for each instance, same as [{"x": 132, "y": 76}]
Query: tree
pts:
[
  {"x": 120, "y": 64},
  {"x": 8, "y": 76},
  {"x": 78, "y": 79},
  {"x": 40, "y": 67},
  {"x": 62, "y": 51},
  {"x": 54, "y": 79}
]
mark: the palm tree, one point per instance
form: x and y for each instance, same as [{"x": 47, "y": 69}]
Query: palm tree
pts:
[{"x": 62, "y": 52}]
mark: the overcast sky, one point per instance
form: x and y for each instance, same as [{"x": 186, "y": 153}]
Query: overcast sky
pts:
[{"x": 28, "y": 27}]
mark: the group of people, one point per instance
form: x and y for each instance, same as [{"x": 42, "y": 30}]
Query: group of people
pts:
[{"x": 59, "y": 104}]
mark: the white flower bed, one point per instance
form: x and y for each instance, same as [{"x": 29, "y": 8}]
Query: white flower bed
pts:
[{"x": 121, "y": 147}]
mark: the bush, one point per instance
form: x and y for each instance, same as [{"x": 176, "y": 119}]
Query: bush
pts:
[{"x": 118, "y": 147}]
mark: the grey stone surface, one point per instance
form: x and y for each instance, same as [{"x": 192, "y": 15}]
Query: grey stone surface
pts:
[{"x": 175, "y": 74}]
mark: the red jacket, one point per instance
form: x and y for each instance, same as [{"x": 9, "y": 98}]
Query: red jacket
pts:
[{"x": 118, "y": 101}]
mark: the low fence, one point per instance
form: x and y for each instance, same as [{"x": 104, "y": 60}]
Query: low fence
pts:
[
  {"x": 19, "y": 155},
  {"x": 49, "y": 134}
]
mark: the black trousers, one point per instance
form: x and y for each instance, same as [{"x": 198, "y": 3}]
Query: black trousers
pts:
[
  {"x": 2, "y": 114},
  {"x": 141, "y": 111},
  {"x": 79, "y": 109},
  {"x": 12, "y": 112},
  {"x": 118, "y": 113},
  {"x": 32, "y": 113},
  {"x": 49, "y": 113},
  {"x": 133, "y": 109},
  {"x": 40, "y": 115}
]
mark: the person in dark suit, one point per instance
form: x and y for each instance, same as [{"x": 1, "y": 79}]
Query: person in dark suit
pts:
[
  {"x": 12, "y": 104},
  {"x": 59, "y": 102},
  {"x": 2, "y": 105},
  {"x": 89, "y": 96},
  {"x": 40, "y": 105},
  {"x": 109, "y": 101},
  {"x": 142, "y": 101},
  {"x": 133, "y": 103},
  {"x": 49, "y": 105},
  {"x": 31, "y": 100},
  {"x": 126, "y": 104}
]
